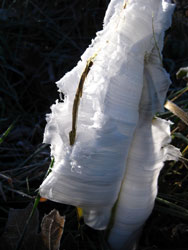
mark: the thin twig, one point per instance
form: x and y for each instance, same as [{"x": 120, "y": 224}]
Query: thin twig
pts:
[{"x": 72, "y": 134}]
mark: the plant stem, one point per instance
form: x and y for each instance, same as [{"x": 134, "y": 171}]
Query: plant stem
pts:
[{"x": 35, "y": 205}]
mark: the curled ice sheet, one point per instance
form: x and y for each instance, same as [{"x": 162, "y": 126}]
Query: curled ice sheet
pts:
[
  {"x": 108, "y": 112},
  {"x": 148, "y": 152},
  {"x": 123, "y": 90}
]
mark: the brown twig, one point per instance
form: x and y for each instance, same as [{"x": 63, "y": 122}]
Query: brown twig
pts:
[{"x": 72, "y": 133}]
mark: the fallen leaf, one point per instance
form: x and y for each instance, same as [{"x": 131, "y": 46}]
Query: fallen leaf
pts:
[
  {"x": 48, "y": 239},
  {"x": 52, "y": 229},
  {"x": 14, "y": 228}
]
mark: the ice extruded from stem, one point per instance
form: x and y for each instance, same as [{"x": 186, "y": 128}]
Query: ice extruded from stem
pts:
[{"x": 119, "y": 148}]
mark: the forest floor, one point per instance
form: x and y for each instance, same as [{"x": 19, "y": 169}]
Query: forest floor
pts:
[{"x": 39, "y": 42}]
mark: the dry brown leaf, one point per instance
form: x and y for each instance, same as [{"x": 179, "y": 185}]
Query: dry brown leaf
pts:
[
  {"x": 52, "y": 229},
  {"x": 49, "y": 238}
]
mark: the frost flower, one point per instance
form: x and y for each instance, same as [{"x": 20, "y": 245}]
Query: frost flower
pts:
[{"x": 107, "y": 146}]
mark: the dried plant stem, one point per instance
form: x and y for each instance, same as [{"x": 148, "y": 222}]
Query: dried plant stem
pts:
[
  {"x": 125, "y": 3},
  {"x": 177, "y": 111},
  {"x": 72, "y": 134}
]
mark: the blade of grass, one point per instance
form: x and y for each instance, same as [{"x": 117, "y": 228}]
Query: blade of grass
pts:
[
  {"x": 179, "y": 93},
  {"x": 174, "y": 197},
  {"x": 6, "y": 133},
  {"x": 36, "y": 202},
  {"x": 175, "y": 95},
  {"x": 172, "y": 212},
  {"x": 185, "y": 150},
  {"x": 172, "y": 205},
  {"x": 18, "y": 192},
  {"x": 180, "y": 136},
  {"x": 32, "y": 155}
]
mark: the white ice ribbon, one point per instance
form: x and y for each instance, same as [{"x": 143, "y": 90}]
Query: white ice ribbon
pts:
[{"x": 119, "y": 148}]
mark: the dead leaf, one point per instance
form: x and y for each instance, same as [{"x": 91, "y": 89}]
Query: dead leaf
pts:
[
  {"x": 49, "y": 238},
  {"x": 14, "y": 228},
  {"x": 52, "y": 229}
]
